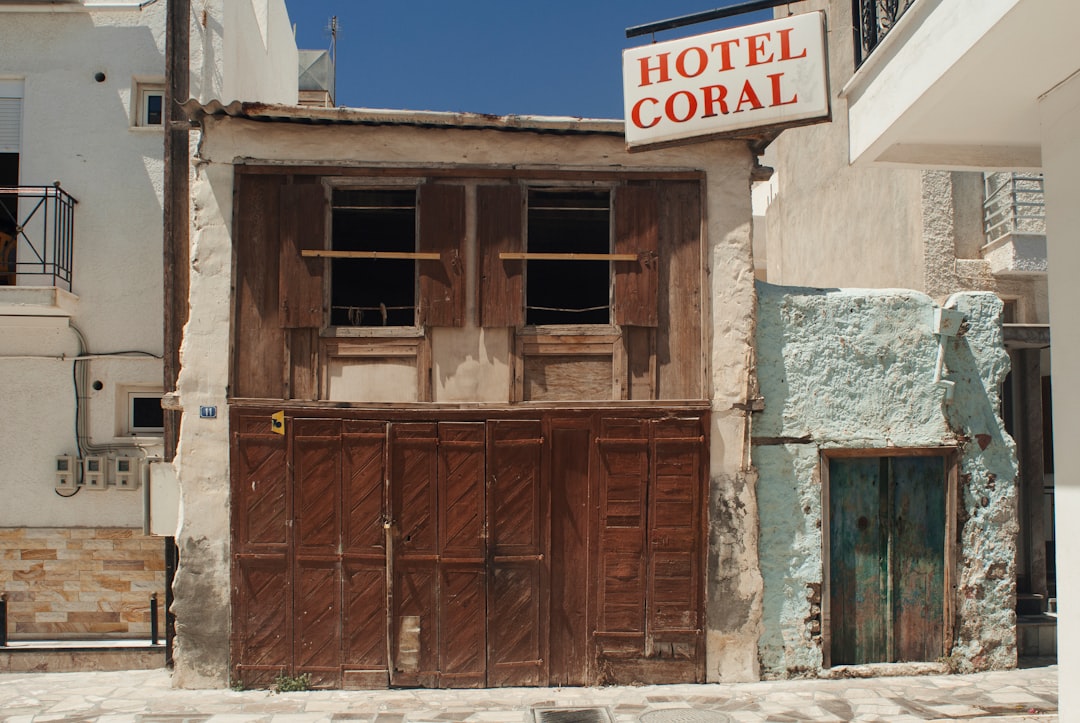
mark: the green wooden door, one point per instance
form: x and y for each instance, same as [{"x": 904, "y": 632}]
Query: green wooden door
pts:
[{"x": 887, "y": 559}]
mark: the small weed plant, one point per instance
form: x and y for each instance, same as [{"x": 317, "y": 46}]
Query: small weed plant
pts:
[{"x": 284, "y": 683}]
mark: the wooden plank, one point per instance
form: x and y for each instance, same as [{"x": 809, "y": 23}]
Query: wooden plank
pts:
[
  {"x": 858, "y": 543},
  {"x": 511, "y": 256},
  {"x": 637, "y": 235},
  {"x": 303, "y": 369},
  {"x": 918, "y": 553},
  {"x": 329, "y": 254},
  {"x": 680, "y": 357},
  {"x": 259, "y": 342},
  {"x": 442, "y": 231},
  {"x": 640, "y": 345},
  {"x": 517, "y": 518},
  {"x": 313, "y": 167},
  {"x": 303, "y": 226},
  {"x": 571, "y": 453},
  {"x": 565, "y": 377},
  {"x": 499, "y": 229}
]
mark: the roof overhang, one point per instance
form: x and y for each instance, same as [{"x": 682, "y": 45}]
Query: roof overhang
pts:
[{"x": 957, "y": 84}]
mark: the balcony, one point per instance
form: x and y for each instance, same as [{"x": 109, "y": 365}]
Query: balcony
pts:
[
  {"x": 1014, "y": 218},
  {"x": 872, "y": 20},
  {"x": 37, "y": 226}
]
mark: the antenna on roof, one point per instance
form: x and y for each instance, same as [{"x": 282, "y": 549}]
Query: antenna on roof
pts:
[{"x": 333, "y": 38}]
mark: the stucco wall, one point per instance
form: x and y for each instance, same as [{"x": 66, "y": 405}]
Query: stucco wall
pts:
[
  {"x": 202, "y": 587},
  {"x": 80, "y": 132},
  {"x": 855, "y": 369}
]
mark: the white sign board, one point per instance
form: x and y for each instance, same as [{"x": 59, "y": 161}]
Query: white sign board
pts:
[{"x": 767, "y": 74}]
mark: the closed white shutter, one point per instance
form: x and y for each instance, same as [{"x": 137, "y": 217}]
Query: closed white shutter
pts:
[
  {"x": 10, "y": 123},
  {"x": 11, "y": 93}
]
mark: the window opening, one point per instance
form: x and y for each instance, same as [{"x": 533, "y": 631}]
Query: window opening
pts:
[
  {"x": 9, "y": 213},
  {"x": 373, "y": 291},
  {"x": 145, "y": 415},
  {"x": 151, "y": 105},
  {"x": 566, "y": 221}
]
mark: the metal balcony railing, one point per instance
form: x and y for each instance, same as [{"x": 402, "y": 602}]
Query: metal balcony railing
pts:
[
  {"x": 872, "y": 20},
  {"x": 1014, "y": 204},
  {"x": 37, "y": 229}
]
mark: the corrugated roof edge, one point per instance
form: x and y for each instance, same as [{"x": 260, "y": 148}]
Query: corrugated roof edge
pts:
[{"x": 196, "y": 111}]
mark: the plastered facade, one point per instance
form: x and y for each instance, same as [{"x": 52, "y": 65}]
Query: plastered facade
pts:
[
  {"x": 855, "y": 369},
  {"x": 467, "y": 369}
]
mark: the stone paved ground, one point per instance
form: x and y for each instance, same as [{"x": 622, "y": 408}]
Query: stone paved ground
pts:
[{"x": 147, "y": 696}]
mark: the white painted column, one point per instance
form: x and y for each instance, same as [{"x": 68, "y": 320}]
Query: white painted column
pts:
[{"x": 1060, "y": 114}]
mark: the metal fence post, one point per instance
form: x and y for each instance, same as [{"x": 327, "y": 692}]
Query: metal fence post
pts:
[
  {"x": 153, "y": 620},
  {"x": 3, "y": 620}
]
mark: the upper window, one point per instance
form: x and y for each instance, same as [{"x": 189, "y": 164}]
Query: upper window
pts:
[
  {"x": 374, "y": 288},
  {"x": 151, "y": 107},
  {"x": 566, "y": 288},
  {"x": 145, "y": 415}
]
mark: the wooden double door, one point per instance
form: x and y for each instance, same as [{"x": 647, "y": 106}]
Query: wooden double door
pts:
[{"x": 500, "y": 552}]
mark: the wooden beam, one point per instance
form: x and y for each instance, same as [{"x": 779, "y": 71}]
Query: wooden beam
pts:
[
  {"x": 516, "y": 256},
  {"x": 416, "y": 255}
]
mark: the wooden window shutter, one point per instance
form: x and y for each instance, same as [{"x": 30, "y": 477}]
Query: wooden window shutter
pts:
[
  {"x": 637, "y": 231},
  {"x": 500, "y": 210},
  {"x": 300, "y": 280},
  {"x": 442, "y": 230}
]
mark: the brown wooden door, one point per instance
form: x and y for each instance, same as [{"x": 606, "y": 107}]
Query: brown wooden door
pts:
[
  {"x": 438, "y": 634},
  {"x": 517, "y": 574}
]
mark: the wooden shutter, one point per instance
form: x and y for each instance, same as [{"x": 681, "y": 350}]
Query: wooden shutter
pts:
[
  {"x": 442, "y": 230},
  {"x": 500, "y": 212},
  {"x": 260, "y": 340},
  {"x": 262, "y": 603},
  {"x": 363, "y": 547},
  {"x": 636, "y": 232},
  {"x": 315, "y": 458},
  {"x": 303, "y": 226},
  {"x": 517, "y": 513}
]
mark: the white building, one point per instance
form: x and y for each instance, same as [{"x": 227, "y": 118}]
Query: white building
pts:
[{"x": 82, "y": 111}]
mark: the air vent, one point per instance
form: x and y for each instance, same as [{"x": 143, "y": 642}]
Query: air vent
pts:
[{"x": 571, "y": 715}]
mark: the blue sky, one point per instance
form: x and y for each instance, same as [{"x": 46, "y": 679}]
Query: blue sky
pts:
[{"x": 544, "y": 57}]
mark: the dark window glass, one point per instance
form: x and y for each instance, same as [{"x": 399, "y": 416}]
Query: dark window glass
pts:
[
  {"x": 153, "y": 109},
  {"x": 373, "y": 292},
  {"x": 565, "y": 221},
  {"x": 147, "y": 414}
]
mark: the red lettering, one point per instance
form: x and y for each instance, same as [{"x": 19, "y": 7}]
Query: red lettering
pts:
[
  {"x": 713, "y": 95},
  {"x": 755, "y": 48},
  {"x": 748, "y": 96},
  {"x": 702, "y": 62},
  {"x": 691, "y": 103},
  {"x": 662, "y": 68},
  {"x": 775, "y": 78},
  {"x": 725, "y": 52},
  {"x": 635, "y": 113},
  {"x": 785, "y": 45}
]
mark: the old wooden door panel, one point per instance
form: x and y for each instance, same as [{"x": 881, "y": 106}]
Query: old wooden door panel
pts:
[
  {"x": 517, "y": 517},
  {"x": 262, "y": 601},
  {"x": 858, "y": 564},
  {"x": 571, "y": 453},
  {"x": 637, "y": 231},
  {"x": 918, "y": 557},
  {"x": 364, "y": 644},
  {"x": 462, "y": 589},
  {"x": 316, "y": 464},
  {"x": 621, "y": 552},
  {"x": 675, "y": 597},
  {"x": 414, "y": 510},
  {"x": 500, "y": 289}
]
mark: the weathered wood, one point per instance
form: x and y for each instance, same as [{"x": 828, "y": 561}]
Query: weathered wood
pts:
[
  {"x": 680, "y": 356},
  {"x": 500, "y": 213},
  {"x": 506, "y": 256},
  {"x": 572, "y": 454},
  {"x": 330, "y": 254},
  {"x": 303, "y": 226},
  {"x": 442, "y": 231},
  {"x": 255, "y": 166},
  {"x": 566, "y": 377},
  {"x": 637, "y": 235},
  {"x": 303, "y": 363},
  {"x": 259, "y": 343},
  {"x": 640, "y": 343}
]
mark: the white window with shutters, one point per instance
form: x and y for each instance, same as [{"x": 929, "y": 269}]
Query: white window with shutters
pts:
[{"x": 11, "y": 94}]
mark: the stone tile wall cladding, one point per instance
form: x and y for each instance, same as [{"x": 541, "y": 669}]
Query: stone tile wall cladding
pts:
[{"x": 88, "y": 583}]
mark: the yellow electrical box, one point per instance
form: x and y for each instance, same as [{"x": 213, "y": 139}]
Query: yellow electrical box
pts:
[{"x": 277, "y": 422}]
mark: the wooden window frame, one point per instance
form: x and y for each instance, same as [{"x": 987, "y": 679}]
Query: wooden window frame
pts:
[{"x": 951, "y": 459}]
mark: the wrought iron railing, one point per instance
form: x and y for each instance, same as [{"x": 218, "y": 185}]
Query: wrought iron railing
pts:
[
  {"x": 37, "y": 229},
  {"x": 1014, "y": 204},
  {"x": 872, "y": 20}
]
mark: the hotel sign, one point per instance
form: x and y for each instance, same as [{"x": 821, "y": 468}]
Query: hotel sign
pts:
[{"x": 769, "y": 74}]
